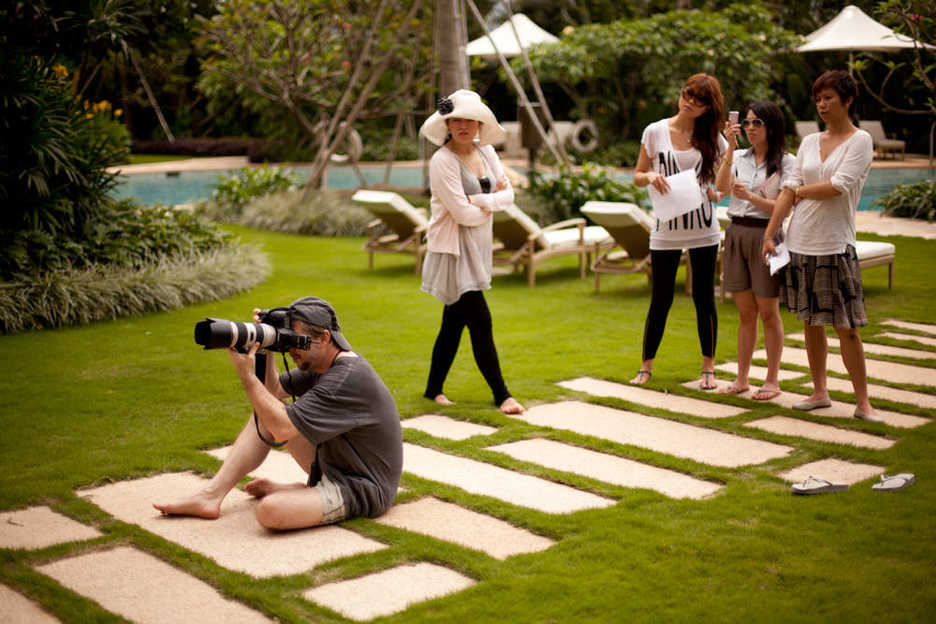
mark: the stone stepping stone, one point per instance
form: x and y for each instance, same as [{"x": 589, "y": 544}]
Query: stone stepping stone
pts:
[
  {"x": 388, "y": 592},
  {"x": 445, "y": 427},
  {"x": 920, "y": 327},
  {"x": 236, "y": 540},
  {"x": 784, "y": 425},
  {"x": 832, "y": 470},
  {"x": 40, "y": 527},
  {"x": 759, "y": 372},
  {"x": 918, "y": 399},
  {"x": 607, "y": 468},
  {"x": 142, "y": 588},
  {"x": 837, "y": 409},
  {"x": 16, "y": 607},
  {"x": 877, "y": 349},
  {"x": 653, "y": 398},
  {"x": 507, "y": 485},
  {"x": 706, "y": 446},
  {"x": 888, "y": 371},
  {"x": 929, "y": 342},
  {"x": 451, "y": 523}
]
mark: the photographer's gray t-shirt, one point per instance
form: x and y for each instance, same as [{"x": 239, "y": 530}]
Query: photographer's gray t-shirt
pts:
[{"x": 350, "y": 415}]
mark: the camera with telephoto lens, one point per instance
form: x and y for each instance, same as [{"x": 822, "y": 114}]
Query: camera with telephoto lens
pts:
[{"x": 273, "y": 332}]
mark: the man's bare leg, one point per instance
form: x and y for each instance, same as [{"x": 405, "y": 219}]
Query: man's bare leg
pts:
[
  {"x": 246, "y": 455},
  {"x": 304, "y": 454}
]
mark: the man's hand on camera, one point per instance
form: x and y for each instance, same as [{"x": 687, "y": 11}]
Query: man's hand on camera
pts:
[{"x": 245, "y": 363}]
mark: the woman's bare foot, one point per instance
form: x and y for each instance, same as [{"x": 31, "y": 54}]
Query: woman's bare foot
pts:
[
  {"x": 441, "y": 399},
  {"x": 200, "y": 506},
  {"x": 511, "y": 406},
  {"x": 734, "y": 388},
  {"x": 766, "y": 392},
  {"x": 258, "y": 488}
]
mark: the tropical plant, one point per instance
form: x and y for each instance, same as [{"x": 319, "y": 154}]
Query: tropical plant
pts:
[
  {"x": 566, "y": 191},
  {"x": 237, "y": 190},
  {"x": 913, "y": 201}
]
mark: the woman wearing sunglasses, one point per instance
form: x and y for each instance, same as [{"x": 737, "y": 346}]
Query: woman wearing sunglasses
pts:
[
  {"x": 467, "y": 183},
  {"x": 822, "y": 283},
  {"x": 753, "y": 177},
  {"x": 689, "y": 140}
]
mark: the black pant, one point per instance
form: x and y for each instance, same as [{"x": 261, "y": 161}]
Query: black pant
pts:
[
  {"x": 664, "y": 265},
  {"x": 471, "y": 310}
]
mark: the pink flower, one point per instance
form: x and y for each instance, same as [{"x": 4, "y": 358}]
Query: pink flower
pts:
[{"x": 345, "y": 64}]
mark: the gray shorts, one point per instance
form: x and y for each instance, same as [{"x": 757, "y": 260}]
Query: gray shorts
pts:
[
  {"x": 333, "y": 505},
  {"x": 744, "y": 267}
]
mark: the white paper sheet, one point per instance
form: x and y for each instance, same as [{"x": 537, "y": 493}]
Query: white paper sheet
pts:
[
  {"x": 779, "y": 259},
  {"x": 684, "y": 195}
]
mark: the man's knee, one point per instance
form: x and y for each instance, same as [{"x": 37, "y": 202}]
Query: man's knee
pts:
[{"x": 272, "y": 515}]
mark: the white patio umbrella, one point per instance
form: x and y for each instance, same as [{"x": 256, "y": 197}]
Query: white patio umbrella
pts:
[
  {"x": 506, "y": 41},
  {"x": 852, "y": 30}
]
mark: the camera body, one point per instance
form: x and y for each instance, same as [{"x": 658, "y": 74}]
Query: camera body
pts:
[{"x": 273, "y": 333}]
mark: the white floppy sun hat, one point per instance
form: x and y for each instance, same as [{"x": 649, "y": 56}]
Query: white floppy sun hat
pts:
[{"x": 463, "y": 104}]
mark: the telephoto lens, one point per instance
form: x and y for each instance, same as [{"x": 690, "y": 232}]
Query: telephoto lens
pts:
[{"x": 221, "y": 334}]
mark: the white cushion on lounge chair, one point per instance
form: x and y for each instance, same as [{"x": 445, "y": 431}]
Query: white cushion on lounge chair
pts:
[
  {"x": 617, "y": 214},
  {"x": 868, "y": 250},
  {"x": 407, "y": 225},
  {"x": 375, "y": 199},
  {"x": 569, "y": 237}
]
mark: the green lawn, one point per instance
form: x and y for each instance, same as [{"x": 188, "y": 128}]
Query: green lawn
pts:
[
  {"x": 135, "y": 396},
  {"x": 140, "y": 159}
]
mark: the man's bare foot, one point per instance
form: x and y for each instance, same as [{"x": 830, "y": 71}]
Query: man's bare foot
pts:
[
  {"x": 734, "y": 388},
  {"x": 441, "y": 399},
  {"x": 511, "y": 406},
  {"x": 200, "y": 506},
  {"x": 259, "y": 488}
]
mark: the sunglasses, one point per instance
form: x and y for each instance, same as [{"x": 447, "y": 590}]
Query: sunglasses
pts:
[
  {"x": 755, "y": 123},
  {"x": 699, "y": 99},
  {"x": 485, "y": 183}
]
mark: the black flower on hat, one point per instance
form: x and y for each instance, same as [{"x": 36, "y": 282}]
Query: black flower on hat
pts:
[{"x": 445, "y": 106}]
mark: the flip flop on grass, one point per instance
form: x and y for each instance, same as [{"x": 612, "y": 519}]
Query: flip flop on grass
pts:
[
  {"x": 814, "y": 485},
  {"x": 893, "y": 483}
]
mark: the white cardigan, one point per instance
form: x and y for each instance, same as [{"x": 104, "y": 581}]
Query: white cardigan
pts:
[{"x": 450, "y": 205}]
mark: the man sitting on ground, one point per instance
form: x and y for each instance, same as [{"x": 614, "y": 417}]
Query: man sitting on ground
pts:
[{"x": 343, "y": 429}]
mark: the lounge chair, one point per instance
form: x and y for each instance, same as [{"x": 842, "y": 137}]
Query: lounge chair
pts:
[
  {"x": 407, "y": 226},
  {"x": 883, "y": 145},
  {"x": 876, "y": 253},
  {"x": 806, "y": 127},
  {"x": 523, "y": 243},
  {"x": 630, "y": 228}
]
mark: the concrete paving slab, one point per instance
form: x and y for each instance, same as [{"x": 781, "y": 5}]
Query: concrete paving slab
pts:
[
  {"x": 18, "y": 609},
  {"x": 838, "y": 409},
  {"x": 759, "y": 372},
  {"x": 652, "y": 398},
  {"x": 923, "y": 340},
  {"x": 452, "y": 523},
  {"x": 507, "y": 485},
  {"x": 235, "y": 540},
  {"x": 877, "y": 369},
  {"x": 142, "y": 588},
  {"x": 877, "y": 391},
  {"x": 40, "y": 527},
  {"x": 877, "y": 349},
  {"x": 279, "y": 466},
  {"x": 658, "y": 434},
  {"x": 833, "y": 470},
  {"x": 445, "y": 427},
  {"x": 784, "y": 425},
  {"x": 925, "y": 328},
  {"x": 608, "y": 468},
  {"x": 388, "y": 592}
]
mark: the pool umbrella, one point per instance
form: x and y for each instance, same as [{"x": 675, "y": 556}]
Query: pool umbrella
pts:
[
  {"x": 506, "y": 41},
  {"x": 852, "y": 30}
]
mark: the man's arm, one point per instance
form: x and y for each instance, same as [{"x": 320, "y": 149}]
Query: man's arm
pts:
[{"x": 269, "y": 409}]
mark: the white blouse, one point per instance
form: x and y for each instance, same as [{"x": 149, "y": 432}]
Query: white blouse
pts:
[
  {"x": 823, "y": 227},
  {"x": 754, "y": 177}
]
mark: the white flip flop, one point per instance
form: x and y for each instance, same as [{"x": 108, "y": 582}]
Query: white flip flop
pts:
[
  {"x": 893, "y": 483},
  {"x": 813, "y": 485}
]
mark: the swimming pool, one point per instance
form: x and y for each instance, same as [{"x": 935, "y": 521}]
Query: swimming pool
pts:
[{"x": 191, "y": 186}]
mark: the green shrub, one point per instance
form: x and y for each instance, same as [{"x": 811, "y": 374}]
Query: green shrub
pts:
[
  {"x": 566, "y": 192},
  {"x": 322, "y": 213},
  {"x": 914, "y": 201},
  {"x": 235, "y": 191}
]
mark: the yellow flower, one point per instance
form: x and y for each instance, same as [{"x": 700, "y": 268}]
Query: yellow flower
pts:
[
  {"x": 60, "y": 70},
  {"x": 118, "y": 112}
]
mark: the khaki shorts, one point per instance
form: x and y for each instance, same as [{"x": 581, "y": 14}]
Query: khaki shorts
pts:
[
  {"x": 333, "y": 506},
  {"x": 744, "y": 267}
]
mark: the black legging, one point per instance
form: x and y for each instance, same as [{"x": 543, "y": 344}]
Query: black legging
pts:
[
  {"x": 471, "y": 310},
  {"x": 664, "y": 265}
]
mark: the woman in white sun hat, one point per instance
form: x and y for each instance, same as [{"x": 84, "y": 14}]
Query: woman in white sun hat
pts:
[{"x": 467, "y": 184}]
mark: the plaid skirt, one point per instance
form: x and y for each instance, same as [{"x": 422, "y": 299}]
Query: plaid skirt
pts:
[{"x": 825, "y": 290}]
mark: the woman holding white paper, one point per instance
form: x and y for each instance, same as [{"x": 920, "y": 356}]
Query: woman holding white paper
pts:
[
  {"x": 691, "y": 140},
  {"x": 753, "y": 177},
  {"x": 823, "y": 281}
]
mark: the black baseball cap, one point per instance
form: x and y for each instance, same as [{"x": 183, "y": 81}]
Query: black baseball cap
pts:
[{"x": 318, "y": 312}]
